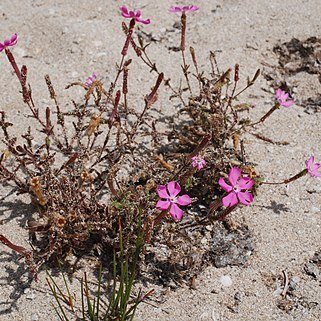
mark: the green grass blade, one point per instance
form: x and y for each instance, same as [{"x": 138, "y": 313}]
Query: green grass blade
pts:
[{"x": 99, "y": 289}]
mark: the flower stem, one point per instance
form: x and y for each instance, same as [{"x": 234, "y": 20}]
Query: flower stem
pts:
[
  {"x": 129, "y": 36},
  {"x": 224, "y": 213},
  {"x": 183, "y": 26},
  {"x": 182, "y": 47},
  {"x": 289, "y": 180},
  {"x": 13, "y": 63},
  {"x": 159, "y": 217},
  {"x": 268, "y": 114}
]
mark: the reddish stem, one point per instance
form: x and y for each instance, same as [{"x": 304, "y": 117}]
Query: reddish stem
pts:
[
  {"x": 159, "y": 217},
  {"x": 13, "y": 63}
]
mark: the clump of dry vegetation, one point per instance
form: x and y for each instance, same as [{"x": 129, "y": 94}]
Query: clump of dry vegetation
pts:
[{"x": 98, "y": 167}]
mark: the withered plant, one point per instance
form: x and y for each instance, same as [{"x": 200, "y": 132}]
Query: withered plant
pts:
[{"x": 71, "y": 169}]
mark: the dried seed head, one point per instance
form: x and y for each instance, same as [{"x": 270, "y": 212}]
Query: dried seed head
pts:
[
  {"x": 42, "y": 200},
  {"x": 36, "y": 189},
  {"x": 93, "y": 124},
  {"x": 85, "y": 176},
  {"x": 58, "y": 220},
  {"x": 250, "y": 171},
  {"x": 34, "y": 183},
  {"x": 235, "y": 138},
  {"x": 6, "y": 154},
  {"x": 61, "y": 221}
]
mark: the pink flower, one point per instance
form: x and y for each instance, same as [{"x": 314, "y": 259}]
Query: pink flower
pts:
[
  {"x": 176, "y": 9},
  {"x": 9, "y": 42},
  {"x": 312, "y": 167},
  {"x": 169, "y": 194},
  {"x": 198, "y": 161},
  {"x": 133, "y": 14},
  {"x": 282, "y": 97},
  {"x": 90, "y": 79},
  {"x": 235, "y": 191}
]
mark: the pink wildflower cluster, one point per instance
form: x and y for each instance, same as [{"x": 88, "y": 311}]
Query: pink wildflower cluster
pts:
[
  {"x": 282, "y": 97},
  {"x": 176, "y": 9},
  {"x": 312, "y": 167},
  {"x": 238, "y": 188},
  {"x": 90, "y": 79},
  {"x": 169, "y": 199},
  {"x": 133, "y": 14},
  {"x": 198, "y": 161},
  {"x": 9, "y": 42}
]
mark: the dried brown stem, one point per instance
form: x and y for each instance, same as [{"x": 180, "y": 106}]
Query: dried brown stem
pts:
[{"x": 24, "y": 252}]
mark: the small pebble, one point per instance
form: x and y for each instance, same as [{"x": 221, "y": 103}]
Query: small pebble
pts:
[
  {"x": 314, "y": 209},
  {"x": 294, "y": 282},
  {"x": 30, "y": 296},
  {"x": 277, "y": 292},
  {"x": 34, "y": 317},
  {"x": 226, "y": 280}
]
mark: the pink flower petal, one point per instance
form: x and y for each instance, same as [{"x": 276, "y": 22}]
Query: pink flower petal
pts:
[
  {"x": 224, "y": 185},
  {"x": 230, "y": 199},
  {"x": 125, "y": 12},
  {"x": 123, "y": 9},
  {"x": 201, "y": 165},
  {"x": 176, "y": 212},
  {"x": 163, "y": 205},
  {"x": 234, "y": 174},
  {"x": 245, "y": 198},
  {"x": 1, "y": 46},
  {"x": 14, "y": 39},
  {"x": 184, "y": 200},
  {"x": 312, "y": 167},
  {"x": 193, "y": 8},
  {"x": 309, "y": 161},
  {"x": 126, "y": 15},
  {"x": 282, "y": 97},
  {"x": 162, "y": 191},
  {"x": 174, "y": 9},
  {"x": 314, "y": 170},
  {"x": 138, "y": 13},
  {"x": 288, "y": 103},
  {"x": 173, "y": 188},
  {"x": 132, "y": 14},
  {"x": 190, "y": 8},
  {"x": 145, "y": 22},
  {"x": 315, "y": 173},
  {"x": 245, "y": 183}
]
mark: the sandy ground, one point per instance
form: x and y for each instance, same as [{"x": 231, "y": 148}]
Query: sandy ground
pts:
[{"x": 70, "y": 39}]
